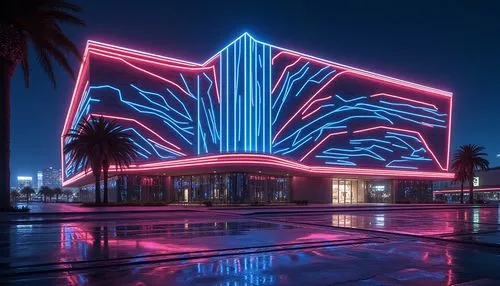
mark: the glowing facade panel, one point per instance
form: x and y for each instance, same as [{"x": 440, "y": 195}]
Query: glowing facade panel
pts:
[{"x": 254, "y": 97}]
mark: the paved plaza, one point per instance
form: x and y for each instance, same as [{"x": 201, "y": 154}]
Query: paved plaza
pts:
[{"x": 423, "y": 245}]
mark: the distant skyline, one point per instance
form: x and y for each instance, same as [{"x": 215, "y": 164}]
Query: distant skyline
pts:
[{"x": 448, "y": 45}]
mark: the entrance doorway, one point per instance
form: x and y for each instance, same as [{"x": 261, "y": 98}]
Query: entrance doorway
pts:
[{"x": 347, "y": 191}]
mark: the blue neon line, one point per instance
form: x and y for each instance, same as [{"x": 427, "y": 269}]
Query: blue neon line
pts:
[
  {"x": 281, "y": 150},
  {"x": 349, "y": 100},
  {"x": 187, "y": 87},
  {"x": 317, "y": 82},
  {"x": 187, "y": 115},
  {"x": 296, "y": 147},
  {"x": 141, "y": 154},
  {"x": 405, "y": 135},
  {"x": 138, "y": 145},
  {"x": 341, "y": 163},
  {"x": 166, "y": 107},
  {"x": 151, "y": 145},
  {"x": 404, "y": 142},
  {"x": 239, "y": 118},
  {"x": 211, "y": 115},
  {"x": 430, "y": 110},
  {"x": 399, "y": 146},
  {"x": 208, "y": 122},
  {"x": 289, "y": 86},
  {"x": 355, "y": 141},
  {"x": 399, "y": 111},
  {"x": 180, "y": 134}
]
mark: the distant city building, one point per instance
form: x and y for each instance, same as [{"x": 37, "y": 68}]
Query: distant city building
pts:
[
  {"x": 24, "y": 181},
  {"x": 39, "y": 179},
  {"x": 51, "y": 177}
]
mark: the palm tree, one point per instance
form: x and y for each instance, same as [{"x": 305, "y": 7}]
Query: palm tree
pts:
[
  {"x": 38, "y": 23},
  {"x": 460, "y": 175},
  {"x": 27, "y": 192},
  {"x": 57, "y": 192},
  {"x": 45, "y": 192},
  {"x": 96, "y": 144},
  {"x": 14, "y": 195},
  {"x": 467, "y": 160}
]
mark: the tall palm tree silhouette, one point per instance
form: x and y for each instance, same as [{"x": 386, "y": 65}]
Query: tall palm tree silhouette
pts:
[
  {"x": 97, "y": 144},
  {"x": 466, "y": 161},
  {"x": 38, "y": 23}
]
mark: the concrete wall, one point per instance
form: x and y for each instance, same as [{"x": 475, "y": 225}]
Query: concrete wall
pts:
[{"x": 313, "y": 189}]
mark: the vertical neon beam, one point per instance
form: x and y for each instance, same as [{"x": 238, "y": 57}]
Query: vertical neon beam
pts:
[
  {"x": 198, "y": 111},
  {"x": 256, "y": 102},
  {"x": 227, "y": 100},
  {"x": 220, "y": 103},
  {"x": 251, "y": 93},
  {"x": 269, "y": 90},
  {"x": 234, "y": 96},
  {"x": 264, "y": 98},
  {"x": 245, "y": 93}
]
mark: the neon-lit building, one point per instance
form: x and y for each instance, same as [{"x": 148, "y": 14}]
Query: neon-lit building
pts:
[
  {"x": 256, "y": 122},
  {"x": 486, "y": 188}
]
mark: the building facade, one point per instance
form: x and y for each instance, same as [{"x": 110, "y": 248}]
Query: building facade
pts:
[
  {"x": 260, "y": 123},
  {"x": 24, "y": 181},
  {"x": 486, "y": 188},
  {"x": 50, "y": 177}
]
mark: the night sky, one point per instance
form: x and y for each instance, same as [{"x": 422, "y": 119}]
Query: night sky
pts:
[{"x": 452, "y": 45}]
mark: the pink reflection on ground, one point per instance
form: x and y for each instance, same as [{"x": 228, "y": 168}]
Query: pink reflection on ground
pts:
[{"x": 71, "y": 233}]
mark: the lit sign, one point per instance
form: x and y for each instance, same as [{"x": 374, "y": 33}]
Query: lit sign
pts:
[
  {"x": 475, "y": 182},
  {"x": 379, "y": 188},
  {"x": 24, "y": 178}
]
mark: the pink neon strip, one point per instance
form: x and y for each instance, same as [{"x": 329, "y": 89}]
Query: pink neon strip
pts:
[
  {"x": 178, "y": 153},
  {"x": 307, "y": 102},
  {"x": 216, "y": 83},
  {"x": 403, "y": 98},
  {"x": 311, "y": 113},
  {"x": 466, "y": 190},
  {"x": 409, "y": 131},
  {"x": 266, "y": 160},
  {"x": 321, "y": 142},
  {"x": 188, "y": 68},
  {"x": 317, "y": 100},
  {"x": 143, "y": 126},
  {"x": 139, "y": 53},
  {"x": 366, "y": 73},
  {"x": 449, "y": 135},
  {"x": 283, "y": 73},
  {"x": 142, "y": 70}
]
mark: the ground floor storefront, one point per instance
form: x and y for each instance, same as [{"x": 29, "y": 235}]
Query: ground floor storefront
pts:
[{"x": 251, "y": 188}]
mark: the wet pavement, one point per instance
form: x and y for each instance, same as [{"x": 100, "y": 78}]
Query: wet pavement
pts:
[{"x": 211, "y": 247}]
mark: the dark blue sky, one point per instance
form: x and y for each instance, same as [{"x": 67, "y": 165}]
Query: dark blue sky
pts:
[{"x": 453, "y": 45}]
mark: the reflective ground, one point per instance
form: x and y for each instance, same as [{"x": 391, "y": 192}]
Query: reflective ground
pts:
[{"x": 380, "y": 247}]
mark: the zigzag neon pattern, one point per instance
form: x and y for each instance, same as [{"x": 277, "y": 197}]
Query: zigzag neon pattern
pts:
[{"x": 254, "y": 97}]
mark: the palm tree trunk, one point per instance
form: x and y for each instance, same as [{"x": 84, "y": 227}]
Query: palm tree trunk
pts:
[
  {"x": 471, "y": 192},
  {"x": 105, "y": 169},
  {"x": 6, "y": 72},
  {"x": 98, "y": 189},
  {"x": 462, "y": 192}
]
